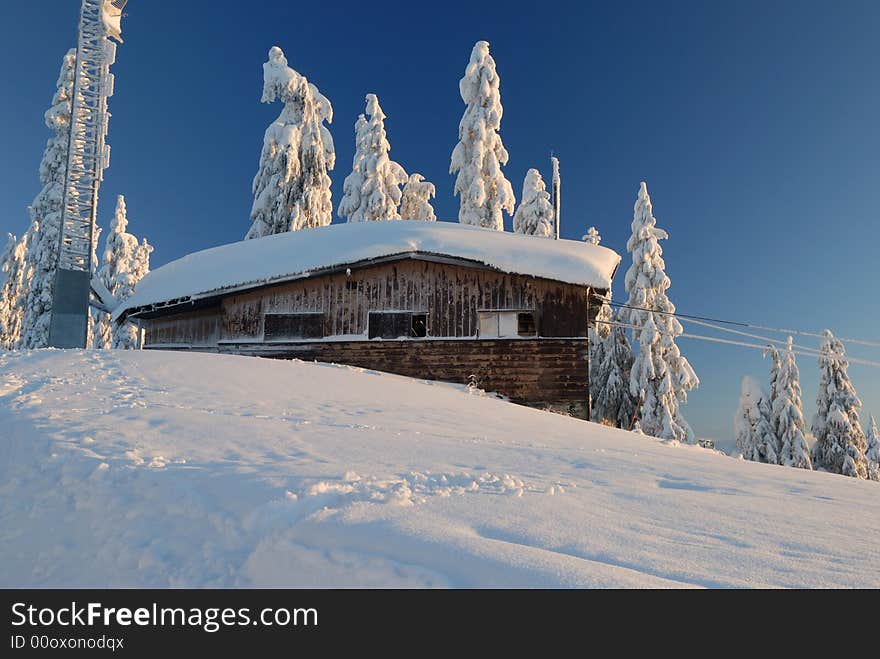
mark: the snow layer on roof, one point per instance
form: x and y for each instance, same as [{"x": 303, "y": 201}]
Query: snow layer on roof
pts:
[{"x": 295, "y": 254}]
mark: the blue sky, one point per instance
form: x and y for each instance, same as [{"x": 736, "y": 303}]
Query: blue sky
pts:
[{"x": 754, "y": 124}]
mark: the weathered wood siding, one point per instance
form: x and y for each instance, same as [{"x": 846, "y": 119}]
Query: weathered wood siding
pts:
[
  {"x": 450, "y": 294},
  {"x": 531, "y": 371},
  {"x": 195, "y": 328}
]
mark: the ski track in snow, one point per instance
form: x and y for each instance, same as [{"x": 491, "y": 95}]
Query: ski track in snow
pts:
[{"x": 174, "y": 469}]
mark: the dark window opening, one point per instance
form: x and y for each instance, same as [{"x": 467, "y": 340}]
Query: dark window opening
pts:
[
  {"x": 397, "y": 324},
  {"x": 419, "y": 326},
  {"x": 294, "y": 326},
  {"x": 351, "y": 285},
  {"x": 525, "y": 324}
]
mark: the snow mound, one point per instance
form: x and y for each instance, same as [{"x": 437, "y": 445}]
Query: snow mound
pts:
[
  {"x": 296, "y": 254},
  {"x": 126, "y": 468}
]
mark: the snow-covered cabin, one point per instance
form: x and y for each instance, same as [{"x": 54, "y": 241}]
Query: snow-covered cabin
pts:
[{"x": 433, "y": 300}]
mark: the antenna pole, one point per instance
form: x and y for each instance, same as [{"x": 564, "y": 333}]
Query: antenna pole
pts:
[
  {"x": 557, "y": 191},
  {"x": 87, "y": 158}
]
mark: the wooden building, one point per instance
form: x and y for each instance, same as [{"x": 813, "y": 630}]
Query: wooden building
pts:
[{"x": 437, "y": 301}]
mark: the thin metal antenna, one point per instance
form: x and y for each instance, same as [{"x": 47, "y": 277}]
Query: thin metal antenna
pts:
[
  {"x": 88, "y": 157},
  {"x": 557, "y": 191}
]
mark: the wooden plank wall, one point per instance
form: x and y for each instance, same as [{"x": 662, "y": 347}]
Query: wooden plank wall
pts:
[
  {"x": 450, "y": 294},
  {"x": 529, "y": 371},
  {"x": 195, "y": 328}
]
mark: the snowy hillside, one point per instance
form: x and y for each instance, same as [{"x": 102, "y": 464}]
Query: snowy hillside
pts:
[{"x": 159, "y": 469}]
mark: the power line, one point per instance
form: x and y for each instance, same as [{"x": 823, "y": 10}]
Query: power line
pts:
[
  {"x": 765, "y": 328},
  {"x": 804, "y": 352}
]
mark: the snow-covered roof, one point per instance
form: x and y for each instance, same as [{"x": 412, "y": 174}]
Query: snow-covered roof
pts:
[{"x": 297, "y": 254}]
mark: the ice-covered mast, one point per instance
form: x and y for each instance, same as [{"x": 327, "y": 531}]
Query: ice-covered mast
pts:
[
  {"x": 556, "y": 190},
  {"x": 88, "y": 157}
]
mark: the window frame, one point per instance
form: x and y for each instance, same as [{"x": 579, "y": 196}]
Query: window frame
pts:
[
  {"x": 513, "y": 318},
  {"x": 303, "y": 336},
  {"x": 375, "y": 332}
]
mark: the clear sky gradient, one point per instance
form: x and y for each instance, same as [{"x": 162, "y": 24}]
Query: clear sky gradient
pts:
[{"x": 754, "y": 124}]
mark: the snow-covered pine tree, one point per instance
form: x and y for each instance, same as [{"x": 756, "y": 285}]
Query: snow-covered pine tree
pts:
[
  {"x": 775, "y": 366},
  {"x": 292, "y": 186},
  {"x": 12, "y": 262},
  {"x": 840, "y": 442},
  {"x": 6, "y": 258},
  {"x": 660, "y": 376},
  {"x": 872, "y": 453},
  {"x": 415, "y": 204},
  {"x": 125, "y": 264},
  {"x": 534, "y": 216},
  {"x": 755, "y": 438},
  {"x": 45, "y": 212},
  {"x": 372, "y": 190},
  {"x": 13, "y": 294},
  {"x": 125, "y": 337},
  {"x": 98, "y": 320},
  {"x": 598, "y": 333},
  {"x": 611, "y": 398},
  {"x": 479, "y": 155},
  {"x": 592, "y": 236},
  {"x": 788, "y": 413}
]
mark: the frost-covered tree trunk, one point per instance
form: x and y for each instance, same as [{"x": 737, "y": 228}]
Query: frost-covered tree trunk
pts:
[
  {"x": 372, "y": 190},
  {"x": 872, "y": 453},
  {"x": 788, "y": 414},
  {"x": 292, "y": 186},
  {"x": 840, "y": 442},
  {"x": 416, "y": 201},
  {"x": 483, "y": 190},
  {"x": 534, "y": 216},
  {"x": 755, "y": 438},
  {"x": 661, "y": 377},
  {"x": 45, "y": 212},
  {"x": 125, "y": 264},
  {"x": 612, "y": 401},
  {"x": 14, "y": 278}
]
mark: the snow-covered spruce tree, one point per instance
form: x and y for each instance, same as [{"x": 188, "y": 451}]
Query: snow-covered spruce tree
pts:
[
  {"x": 661, "y": 376},
  {"x": 6, "y": 258},
  {"x": 840, "y": 442},
  {"x": 598, "y": 333},
  {"x": 13, "y": 277},
  {"x": 755, "y": 438},
  {"x": 125, "y": 337},
  {"x": 603, "y": 321},
  {"x": 534, "y": 216},
  {"x": 292, "y": 186},
  {"x": 372, "y": 190},
  {"x": 592, "y": 236},
  {"x": 125, "y": 264},
  {"x": 45, "y": 212},
  {"x": 612, "y": 400},
  {"x": 99, "y": 321},
  {"x": 480, "y": 154},
  {"x": 415, "y": 204},
  {"x": 787, "y": 416},
  {"x": 775, "y": 367},
  {"x": 872, "y": 453}
]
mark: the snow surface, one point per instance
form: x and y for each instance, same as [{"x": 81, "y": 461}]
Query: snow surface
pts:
[
  {"x": 294, "y": 254},
  {"x": 127, "y": 468}
]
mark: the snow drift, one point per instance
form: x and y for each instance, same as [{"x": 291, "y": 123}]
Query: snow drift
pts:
[{"x": 125, "y": 468}]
